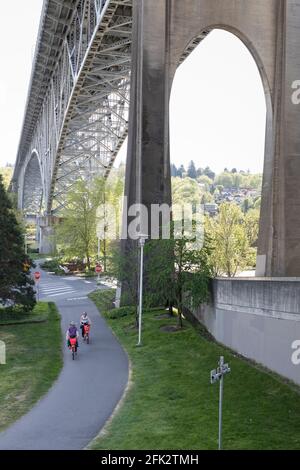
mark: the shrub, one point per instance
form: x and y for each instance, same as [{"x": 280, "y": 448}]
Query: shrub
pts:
[{"x": 121, "y": 312}]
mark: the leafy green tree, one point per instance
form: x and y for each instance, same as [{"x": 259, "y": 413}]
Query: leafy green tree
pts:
[
  {"x": 112, "y": 198},
  {"x": 185, "y": 191},
  {"x": 225, "y": 179},
  {"x": 207, "y": 198},
  {"x": 206, "y": 181},
  {"x": 252, "y": 226},
  {"x": 253, "y": 182},
  {"x": 77, "y": 231},
  {"x": 124, "y": 266},
  {"x": 257, "y": 203},
  {"x": 6, "y": 173},
  {"x": 178, "y": 272},
  {"x": 228, "y": 234},
  {"x": 247, "y": 204},
  {"x": 16, "y": 284},
  {"x": 237, "y": 180}
]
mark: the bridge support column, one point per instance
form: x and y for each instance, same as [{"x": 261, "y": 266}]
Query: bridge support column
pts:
[
  {"x": 286, "y": 186},
  {"x": 47, "y": 244},
  {"x": 148, "y": 179}
]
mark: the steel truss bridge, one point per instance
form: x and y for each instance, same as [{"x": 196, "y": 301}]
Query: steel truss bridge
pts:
[
  {"x": 77, "y": 110},
  {"x": 76, "y": 116}
]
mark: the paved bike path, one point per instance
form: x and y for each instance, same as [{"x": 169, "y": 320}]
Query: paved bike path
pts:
[{"x": 87, "y": 391}]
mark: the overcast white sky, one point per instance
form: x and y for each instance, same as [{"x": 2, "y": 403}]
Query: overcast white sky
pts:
[
  {"x": 19, "y": 22},
  {"x": 217, "y": 104}
]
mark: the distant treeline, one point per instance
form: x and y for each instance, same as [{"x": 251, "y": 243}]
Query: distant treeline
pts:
[{"x": 226, "y": 179}]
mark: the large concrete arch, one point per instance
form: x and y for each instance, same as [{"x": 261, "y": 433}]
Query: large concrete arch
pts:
[
  {"x": 32, "y": 186},
  {"x": 270, "y": 29}
]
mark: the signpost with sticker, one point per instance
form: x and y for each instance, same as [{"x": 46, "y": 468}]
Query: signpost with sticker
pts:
[
  {"x": 37, "y": 278},
  {"x": 217, "y": 375}
]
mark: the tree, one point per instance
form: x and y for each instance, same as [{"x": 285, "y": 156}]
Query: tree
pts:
[
  {"x": 237, "y": 180},
  {"x": 173, "y": 170},
  {"x": 207, "y": 198},
  {"x": 225, "y": 179},
  {"x": 192, "y": 172},
  {"x": 199, "y": 172},
  {"x": 77, "y": 231},
  {"x": 6, "y": 172},
  {"x": 113, "y": 192},
  {"x": 252, "y": 226},
  {"x": 185, "y": 191},
  {"x": 178, "y": 272},
  {"x": 181, "y": 171},
  {"x": 247, "y": 204},
  {"x": 231, "y": 248},
  {"x": 257, "y": 203},
  {"x": 206, "y": 181},
  {"x": 208, "y": 172},
  {"x": 16, "y": 284},
  {"x": 124, "y": 266}
]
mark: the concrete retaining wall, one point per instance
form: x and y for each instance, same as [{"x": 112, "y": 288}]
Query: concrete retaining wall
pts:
[{"x": 259, "y": 318}]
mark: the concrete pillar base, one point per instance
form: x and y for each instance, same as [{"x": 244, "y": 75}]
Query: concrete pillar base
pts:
[{"x": 47, "y": 242}]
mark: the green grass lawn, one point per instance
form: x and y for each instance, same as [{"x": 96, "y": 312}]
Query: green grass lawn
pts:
[
  {"x": 172, "y": 405},
  {"x": 33, "y": 360}
]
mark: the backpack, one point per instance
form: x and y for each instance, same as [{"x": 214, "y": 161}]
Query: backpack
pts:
[{"x": 72, "y": 331}]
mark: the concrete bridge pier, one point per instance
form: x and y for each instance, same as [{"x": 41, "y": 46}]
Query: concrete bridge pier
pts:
[
  {"x": 47, "y": 242},
  {"x": 162, "y": 34}
]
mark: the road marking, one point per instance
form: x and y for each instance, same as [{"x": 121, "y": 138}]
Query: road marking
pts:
[
  {"x": 78, "y": 298},
  {"x": 56, "y": 289},
  {"x": 62, "y": 293}
]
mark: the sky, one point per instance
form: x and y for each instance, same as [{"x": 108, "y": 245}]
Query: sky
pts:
[
  {"x": 217, "y": 108},
  {"x": 19, "y": 21}
]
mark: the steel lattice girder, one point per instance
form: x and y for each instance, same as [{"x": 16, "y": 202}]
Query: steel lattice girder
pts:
[{"x": 77, "y": 109}]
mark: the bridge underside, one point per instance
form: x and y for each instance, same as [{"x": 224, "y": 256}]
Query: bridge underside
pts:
[
  {"x": 33, "y": 187},
  {"x": 97, "y": 115}
]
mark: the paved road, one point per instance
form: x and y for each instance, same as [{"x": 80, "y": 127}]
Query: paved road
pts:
[{"x": 87, "y": 390}]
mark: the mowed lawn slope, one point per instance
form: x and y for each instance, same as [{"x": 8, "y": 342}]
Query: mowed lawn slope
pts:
[
  {"x": 172, "y": 405},
  {"x": 33, "y": 359}
]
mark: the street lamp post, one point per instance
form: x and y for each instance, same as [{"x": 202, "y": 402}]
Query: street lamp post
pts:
[{"x": 142, "y": 239}]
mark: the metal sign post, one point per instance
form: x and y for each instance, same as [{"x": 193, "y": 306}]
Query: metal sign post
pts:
[
  {"x": 142, "y": 240},
  {"x": 98, "y": 270},
  {"x": 37, "y": 277},
  {"x": 217, "y": 375}
]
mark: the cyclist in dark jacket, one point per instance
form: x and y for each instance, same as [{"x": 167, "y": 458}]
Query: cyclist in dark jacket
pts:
[{"x": 72, "y": 332}]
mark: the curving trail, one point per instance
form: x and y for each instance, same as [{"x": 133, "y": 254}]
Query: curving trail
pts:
[{"x": 88, "y": 389}]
